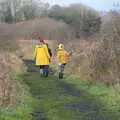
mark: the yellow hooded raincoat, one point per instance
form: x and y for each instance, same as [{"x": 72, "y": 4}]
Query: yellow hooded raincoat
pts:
[
  {"x": 41, "y": 55},
  {"x": 62, "y": 55}
]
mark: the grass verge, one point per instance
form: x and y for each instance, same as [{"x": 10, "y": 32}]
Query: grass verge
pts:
[
  {"x": 71, "y": 99},
  {"x": 109, "y": 95},
  {"x": 22, "y": 109}
]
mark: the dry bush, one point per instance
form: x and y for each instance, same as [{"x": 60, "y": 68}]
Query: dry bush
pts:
[
  {"x": 32, "y": 29},
  {"x": 95, "y": 61},
  {"x": 7, "y": 86},
  {"x": 99, "y": 61},
  {"x": 25, "y": 48},
  {"x": 105, "y": 60},
  {"x": 90, "y": 61},
  {"x": 7, "y": 42},
  {"x": 9, "y": 52},
  {"x": 105, "y": 63},
  {"x": 48, "y": 28},
  {"x": 79, "y": 63}
]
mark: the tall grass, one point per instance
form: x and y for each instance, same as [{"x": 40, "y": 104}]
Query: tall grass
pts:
[
  {"x": 22, "y": 108},
  {"x": 98, "y": 60}
]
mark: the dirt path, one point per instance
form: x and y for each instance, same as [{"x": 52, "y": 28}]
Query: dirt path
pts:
[{"x": 59, "y": 100}]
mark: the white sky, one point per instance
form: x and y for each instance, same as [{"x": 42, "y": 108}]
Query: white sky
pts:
[{"x": 97, "y": 4}]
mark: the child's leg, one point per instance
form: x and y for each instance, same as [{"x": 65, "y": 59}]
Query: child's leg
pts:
[
  {"x": 46, "y": 70},
  {"x": 41, "y": 70},
  {"x": 61, "y": 70}
]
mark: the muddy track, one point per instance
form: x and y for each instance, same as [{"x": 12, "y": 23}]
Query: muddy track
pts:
[{"x": 58, "y": 98}]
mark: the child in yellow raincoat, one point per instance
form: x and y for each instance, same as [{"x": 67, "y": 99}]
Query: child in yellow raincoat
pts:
[
  {"x": 62, "y": 59},
  {"x": 41, "y": 56}
]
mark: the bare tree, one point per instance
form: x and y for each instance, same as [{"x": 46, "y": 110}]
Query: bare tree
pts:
[
  {"x": 9, "y": 9},
  {"x": 17, "y": 10}
]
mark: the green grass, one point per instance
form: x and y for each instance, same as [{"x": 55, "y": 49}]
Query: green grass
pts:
[
  {"x": 22, "y": 109},
  {"x": 67, "y": 99},
  {"x": 71, "y": 99},
  {"x": 109, "y": 95}
]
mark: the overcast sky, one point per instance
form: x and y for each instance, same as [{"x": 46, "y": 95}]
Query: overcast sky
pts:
[{"x": 97, "y": 4}]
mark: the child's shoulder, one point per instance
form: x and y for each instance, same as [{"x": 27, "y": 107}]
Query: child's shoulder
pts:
[{"x": 60, "y": 51}]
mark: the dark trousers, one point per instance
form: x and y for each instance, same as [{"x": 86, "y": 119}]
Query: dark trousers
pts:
[
  {"x": 61, "y": 70},
  {"x": 45, "y": 69}
]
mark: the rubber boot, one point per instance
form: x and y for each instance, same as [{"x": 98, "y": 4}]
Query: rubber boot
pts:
[
  {"x": 41, "y": 72},
  {"x": 46, "y": 74},
  {"x": 60, "y": 76}
]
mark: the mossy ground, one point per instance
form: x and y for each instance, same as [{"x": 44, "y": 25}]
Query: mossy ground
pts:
[
  {"x": 70, "y": 99},
  {"x": 22, "y": 109}
]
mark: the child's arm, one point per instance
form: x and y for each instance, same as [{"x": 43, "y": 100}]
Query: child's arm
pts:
[{"x": 68, "y": 53}]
